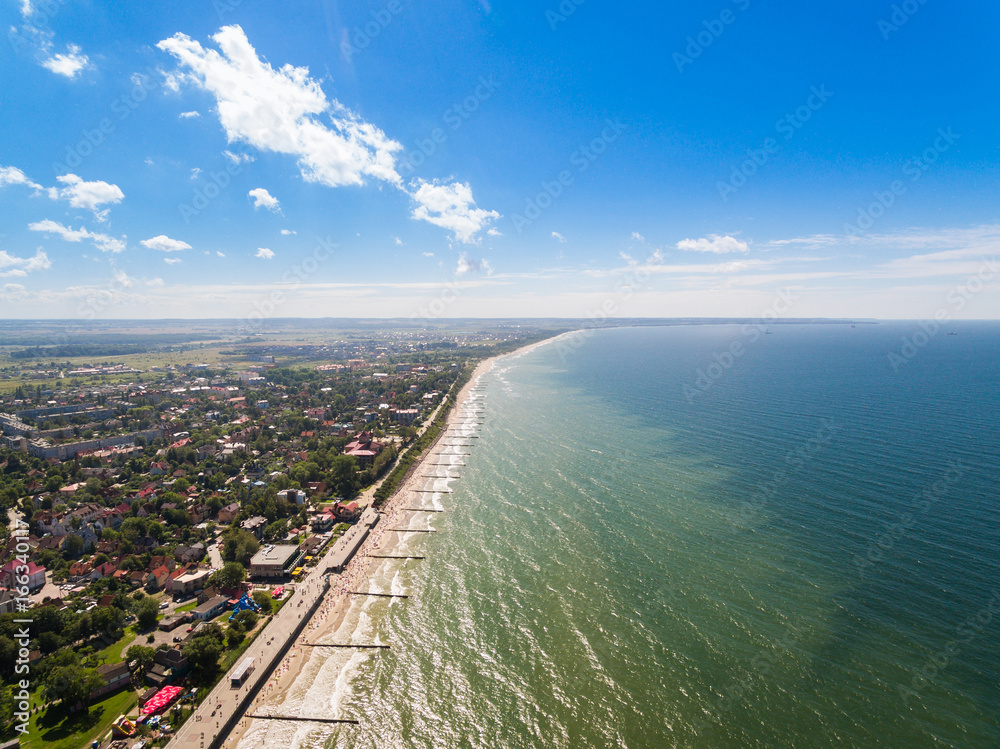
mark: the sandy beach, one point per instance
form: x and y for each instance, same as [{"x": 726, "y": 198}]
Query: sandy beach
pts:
[{"x": 331, "y": 613}]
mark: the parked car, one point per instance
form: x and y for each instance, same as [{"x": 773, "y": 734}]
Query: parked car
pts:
[{"x": 164, "y": 604}]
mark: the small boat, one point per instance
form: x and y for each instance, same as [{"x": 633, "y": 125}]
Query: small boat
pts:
[{"x": 952, "y": 333}]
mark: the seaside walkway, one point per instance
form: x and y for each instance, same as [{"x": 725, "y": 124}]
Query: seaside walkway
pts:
[{"x": 219, "y": 712}]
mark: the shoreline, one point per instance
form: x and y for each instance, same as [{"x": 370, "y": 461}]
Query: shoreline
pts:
[{"x": 334, "y": 609}]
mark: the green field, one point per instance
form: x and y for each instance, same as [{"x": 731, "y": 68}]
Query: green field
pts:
[{"x": 53, "y": 729}]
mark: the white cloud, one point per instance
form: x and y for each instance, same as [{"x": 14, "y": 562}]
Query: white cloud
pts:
[
  {"x": 189, "y": 115},
  {"x": 286, "y": 232},
  {"x": 13, "y": 292},
  {"x": 558, "y": 236},
  {"x": 285, "y": 111},
  {"x": 494, "y": 232},
  {"x": 263, "y": 199},
  {"x": 103, "y": 242},
  {"x": 195, "y": 171},
  {"x": 13, "y": 266},
  {"x": 237, "y": 158},
  {"x": 638, "y": 237},
  {"x": 713, "y": 243},
  {"x": 428, "y": 254},
  {"x": 11, "y": 175},
  {"x": 220, "y": 254},
  {"x": 264, "y": 254},
  {"x": 164, "y": 243},
  {"x": 171, "y": 260},
  {"x": 467, "y": 264},
  {"x": 399, "y": 241},
  {"x": 68, "y": 65},
  {"x": 451, "y": 207},
  {"x": 87, "y": 195},
  {"x": 280, "y": 110},
  {"x": 155, "y": 282}
]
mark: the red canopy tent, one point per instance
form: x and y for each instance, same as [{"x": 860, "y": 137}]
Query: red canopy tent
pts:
[{"x": 161, "y": 700}]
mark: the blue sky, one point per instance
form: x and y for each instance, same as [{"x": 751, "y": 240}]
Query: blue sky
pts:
[{"x": 227, "y": 158}]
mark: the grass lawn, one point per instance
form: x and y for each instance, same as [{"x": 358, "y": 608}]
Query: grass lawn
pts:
[
  {"x": 54, "y": 729},
  {"x": 113, "y": 653},
  {"x": 187, "y": 607}
]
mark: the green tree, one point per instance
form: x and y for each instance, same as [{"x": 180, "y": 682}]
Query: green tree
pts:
[
  {"x": 263, "y": 599},
  {"x": 71, "y": 684},
  {"x": 145, "y": 611},
  {"x": 142, "y": 656},
  {"x": 230, "y": 576}
]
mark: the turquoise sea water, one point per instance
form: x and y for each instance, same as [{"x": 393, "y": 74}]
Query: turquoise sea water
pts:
[{"x": 805, "y": 554}]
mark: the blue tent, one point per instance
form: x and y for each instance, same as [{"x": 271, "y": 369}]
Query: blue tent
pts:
[{"x": 246, "y": 603}]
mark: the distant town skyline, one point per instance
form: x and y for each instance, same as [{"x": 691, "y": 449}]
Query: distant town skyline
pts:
[{"x": 470, "y": 160}]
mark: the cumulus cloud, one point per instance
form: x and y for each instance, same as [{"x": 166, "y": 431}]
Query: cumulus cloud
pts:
[
  {"x": 189, "y": 115},
  {"x": 494, "y": 232},
  {"x": 285, "y": 111},
  {"x": 557, "y": 235},
  {"x": 451, "y": 207},
  {"x": 264, "y": 254},
  {"x": 88, "y": 195},
  {"x": 263, "y": 199},
  {"x": 103, "y": 242},
  {"x": 13, "y": 266},
  {"x": 713, "y": 243},
  {"x": 11, "y": 175},
  {"x": 467, "y": 264},
  {"x": 163, "y": 243},
  {"x": 399, "y": 242},
  {"x": 69, "y": 64},
  {"x": 286, "y": 232},
  {"x": 280, "y": 110}
]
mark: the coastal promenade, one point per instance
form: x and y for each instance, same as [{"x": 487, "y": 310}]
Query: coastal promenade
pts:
[{"x": 224, "y": 706}]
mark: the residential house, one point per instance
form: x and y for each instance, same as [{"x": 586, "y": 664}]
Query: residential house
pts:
[
  {"x": 210, "y": 609},
  {"x": 115, "y": 675},
  {"x": 30, "y": 573},
  {"x": 229, "y": 512},
  {"x": 255, "y": 525}
]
